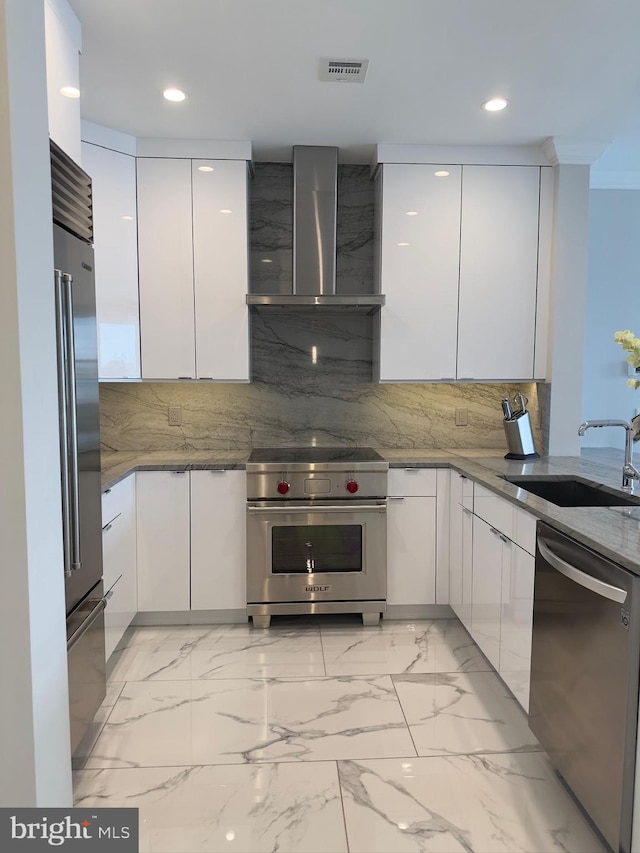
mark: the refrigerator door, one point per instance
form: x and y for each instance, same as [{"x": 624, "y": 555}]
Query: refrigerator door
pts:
[{"x": 78, "y": 367}]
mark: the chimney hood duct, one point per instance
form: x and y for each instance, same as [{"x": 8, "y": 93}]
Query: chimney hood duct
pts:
[{"x": 315, "y": 208}]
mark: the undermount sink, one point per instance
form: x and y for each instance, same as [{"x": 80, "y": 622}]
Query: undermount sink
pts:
[{"x": 572, "y": 491}]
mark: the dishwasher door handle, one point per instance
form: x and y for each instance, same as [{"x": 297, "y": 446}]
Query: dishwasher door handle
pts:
[{"x": 606, "y": 590}]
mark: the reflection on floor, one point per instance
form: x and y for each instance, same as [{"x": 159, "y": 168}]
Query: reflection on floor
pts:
[{"x": 321, "y": 736}]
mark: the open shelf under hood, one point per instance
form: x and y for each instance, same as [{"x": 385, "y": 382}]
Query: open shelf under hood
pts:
[{"x": 356, "y": 303}]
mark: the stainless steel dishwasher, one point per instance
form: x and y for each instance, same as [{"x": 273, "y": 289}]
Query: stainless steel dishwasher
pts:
[{"x": 584, "y": 677}]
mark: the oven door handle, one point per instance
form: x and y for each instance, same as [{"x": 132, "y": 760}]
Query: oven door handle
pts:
[{"x": 285, "y": 510}]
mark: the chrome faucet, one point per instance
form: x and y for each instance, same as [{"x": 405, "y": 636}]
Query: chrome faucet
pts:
[{"x": 629, "y": 473}]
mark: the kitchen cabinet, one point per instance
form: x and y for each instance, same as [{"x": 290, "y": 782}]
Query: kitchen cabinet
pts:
[
  {"x": 62, "y": 44},
  {"x": 516, "y": 623},
  {"x": 457, "y": 254},
  {"x": 490, "y": 550},
  {"x": 119, "y": 560},
  {"x": 193, "y": 260},
  {"x": 163, "y": 545},
  {"x": 411, "y": 537},
  {"x": 419, "y": 265},
  {"x": 218, "y": 533},
  {"x": 498, "y": 272},
  {"x": 460, "y": 547},
  {"x": 113, "y": 176}
]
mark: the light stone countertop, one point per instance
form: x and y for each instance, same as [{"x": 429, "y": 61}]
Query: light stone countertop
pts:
[{"x": 613, "y": 532}]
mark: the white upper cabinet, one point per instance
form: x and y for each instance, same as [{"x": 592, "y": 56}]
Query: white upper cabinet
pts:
[
  {"x": 165, "y": 248},
  {"x": 463, "y": 263},
  {"x": 220, "y": 265},
  {"x": 113, "y": 178},
  {"x": 420, "y": 249},
  {"x": 193, "y": 259},
  {"x": 498, "y": 272},
  {"x": 63, "y": 42}
]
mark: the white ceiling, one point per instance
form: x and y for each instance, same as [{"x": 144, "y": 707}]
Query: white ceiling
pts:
[{"x": 569, "y": 67}]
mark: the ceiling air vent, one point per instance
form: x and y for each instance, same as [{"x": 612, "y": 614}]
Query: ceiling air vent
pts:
[{"x": 343, "y": 70}]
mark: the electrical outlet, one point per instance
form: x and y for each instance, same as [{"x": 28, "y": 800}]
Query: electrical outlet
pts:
[
  {"x": 175, "y": 416},
  {"x": 462, "y": 417}
]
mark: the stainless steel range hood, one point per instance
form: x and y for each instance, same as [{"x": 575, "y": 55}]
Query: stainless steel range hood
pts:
[{"x": 315, "y": 205}]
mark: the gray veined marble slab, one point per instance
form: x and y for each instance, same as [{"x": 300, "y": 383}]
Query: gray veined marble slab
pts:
[
  {"x": 439, "y": 645},
  {"x": 508, "y": 803},
  {"x": 235, "y": 721},
  {"x": 289, "y": 808},
  {"x": 220, "y": 652},
  {"x": 462, "y": 713}
]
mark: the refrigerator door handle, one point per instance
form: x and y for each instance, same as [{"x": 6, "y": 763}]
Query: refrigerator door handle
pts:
[
  {"x": 72, "y": 416},
  {"x": 88, "y": 622},
  {"x": 63, "y": 410}
]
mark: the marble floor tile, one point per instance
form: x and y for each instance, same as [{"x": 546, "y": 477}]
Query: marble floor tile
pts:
[
  {"x": 157, "y": 723},
  {"x": 238, "y": 653},
  {"x": 462, "y": 714},
  {"x": 438, "y": 645},
  {"x": 114, "y": 689},
  {"x": 286, "y": 807},
  {"x": 479, "y": 804}
]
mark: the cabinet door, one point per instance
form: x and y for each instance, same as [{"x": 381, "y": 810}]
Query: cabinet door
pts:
[
  {"x": 411, "y": 551},
  {"x": 163, "y": 540},
  {"x": 62, "y": 41},
  {"x": 455, "y": 542},
  {"x": 498, "y": 272},
  {"x": 218, "y": 533},
  {"x": 113, "y": 177},
  {"x": 487, "y": 589},
  {"x": 165, "y": 249},
  {"x": 516, "y": 623},
  {"x": 220, "y": 264},
  {"x": 420, "y": 248},
  {"x": 464, "y": 607},
  {"x": 119, "y": 562}
]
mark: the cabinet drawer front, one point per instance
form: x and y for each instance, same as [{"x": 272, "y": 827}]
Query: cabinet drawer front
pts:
[
  {"x": 524, "y": 533},
  {"x": 494, "y": 510},
  {"x": 412, "y": 482},
  {"x": 467, "y": 492},
  {"x": 118, "y": 500}
]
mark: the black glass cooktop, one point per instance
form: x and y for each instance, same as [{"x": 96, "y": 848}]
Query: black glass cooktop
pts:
[{"x": 314, "y": 454}]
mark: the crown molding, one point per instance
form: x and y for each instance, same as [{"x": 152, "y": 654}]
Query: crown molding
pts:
[
  {"x": 601, "y": 180},
  {"x": 569, "y": 150}
]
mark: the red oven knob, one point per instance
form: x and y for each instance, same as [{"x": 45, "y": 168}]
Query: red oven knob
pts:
[
  {"x": 283, "y": 487},
  {"x": 352, "y": 487}
]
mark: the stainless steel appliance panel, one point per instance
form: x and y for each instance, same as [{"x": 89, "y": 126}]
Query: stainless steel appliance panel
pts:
[
  {"x": 352, "y": 577},
  {"x": 584, "y": 677},
  {"x": 86, "y": 662},
  {"x": 74, "y": 259}
]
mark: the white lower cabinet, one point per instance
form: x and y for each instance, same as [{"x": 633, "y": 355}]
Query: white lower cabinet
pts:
[
  {"x": 488, "y": 556},
  {"x": 119, "y": 560},
  {"x": 163, "y": 541},
  {"x": 218, "y": 533},
  {"x": 464, "y": 607},
  {"x": 411, "y": 550},
  {"x": 516, "y": 623}
]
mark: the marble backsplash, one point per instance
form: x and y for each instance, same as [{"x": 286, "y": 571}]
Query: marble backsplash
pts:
[{"x": 312, "y": 383}]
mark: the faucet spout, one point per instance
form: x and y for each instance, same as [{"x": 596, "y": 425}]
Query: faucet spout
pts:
[{"x": 629, "y": 473}]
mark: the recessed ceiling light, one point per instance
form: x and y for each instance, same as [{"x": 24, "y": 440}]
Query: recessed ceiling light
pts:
[
  {"x": 128, "y": 218},
  {"x": 175, "y": 95},
  {"x": 442, "y": 174},
  {"x": 412, "y": 212},
  {"x": 267, "y": 261},
  {"x": 404, "y": 244},
  {"x": 205, "y": 168},
  {"x": 494, "y": 105},
  {"x": 225, "y": 210},
  {"x": 70, "y": 92}
]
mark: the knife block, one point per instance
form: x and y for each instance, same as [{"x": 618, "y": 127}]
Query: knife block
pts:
[{"x": 520, "y": 437}]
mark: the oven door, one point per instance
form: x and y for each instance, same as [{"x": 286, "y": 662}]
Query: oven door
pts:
[{"x": 316, "y": 551}]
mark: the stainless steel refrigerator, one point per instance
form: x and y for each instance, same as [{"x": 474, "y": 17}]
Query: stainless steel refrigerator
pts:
[{"x": 73, "y": 281}]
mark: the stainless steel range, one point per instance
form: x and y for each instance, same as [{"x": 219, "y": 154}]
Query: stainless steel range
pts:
[{"x": 316, "y": 532}]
